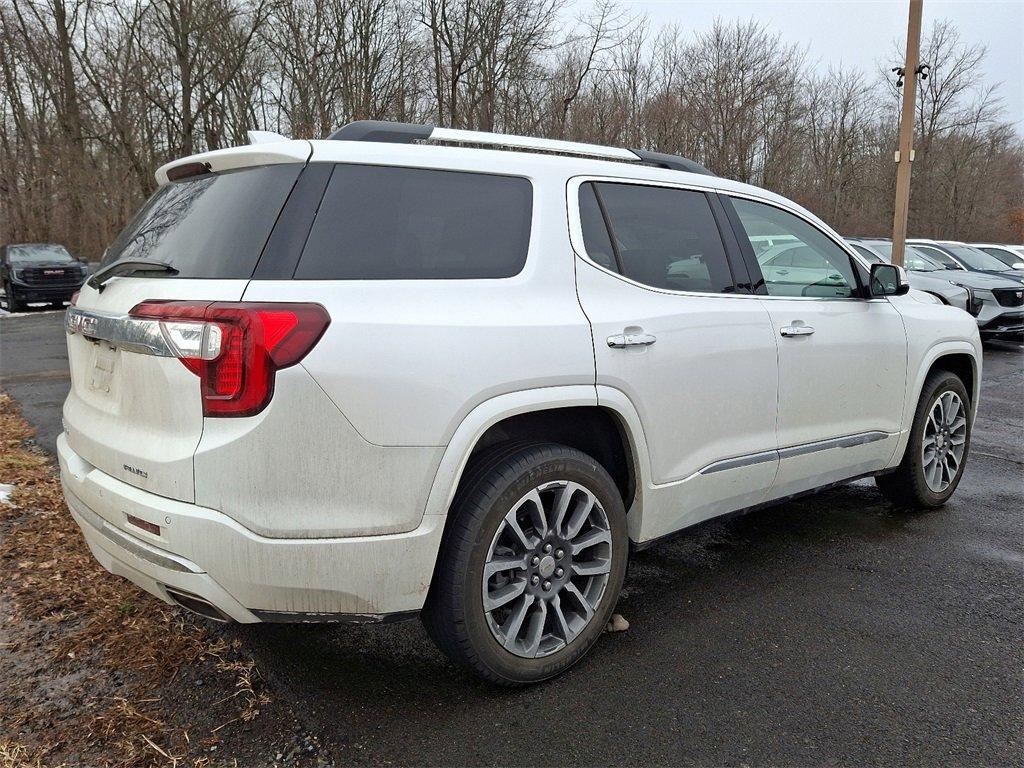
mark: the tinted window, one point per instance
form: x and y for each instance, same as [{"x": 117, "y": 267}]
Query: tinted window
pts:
[
  {"x": 382, "y": 223},
  {"x": 209, "y": 226},
  {"x": 665, "y": 238},
  {"x": 816, "y": 265},
  {"x": 595, "y": 233}
]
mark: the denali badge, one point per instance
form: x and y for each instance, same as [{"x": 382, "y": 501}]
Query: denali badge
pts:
[{"x": 135, "y": 471}]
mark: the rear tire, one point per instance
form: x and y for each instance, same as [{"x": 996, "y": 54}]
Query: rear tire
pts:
[
  {"x": 547, "y": 525},
  {"x": 940, "y": 441}
]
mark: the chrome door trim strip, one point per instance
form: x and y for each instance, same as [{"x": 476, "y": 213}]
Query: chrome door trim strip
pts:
[
  {"x": 739, "y": 461},
  {"x": 847, "y": 441},
  {"x": 133, "y": 334}
]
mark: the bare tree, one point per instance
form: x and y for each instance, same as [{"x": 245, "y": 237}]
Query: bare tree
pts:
[{"x": 96, "y": 94}]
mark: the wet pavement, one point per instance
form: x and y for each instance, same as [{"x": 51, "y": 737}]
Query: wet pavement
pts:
[{"x": 832, "y": 630}]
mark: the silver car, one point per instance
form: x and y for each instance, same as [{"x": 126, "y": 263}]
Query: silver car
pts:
[
  {"x": 940, "y": 286},
  {"x": 996, "y": 301},
  {"x": 966, "y": 257}
]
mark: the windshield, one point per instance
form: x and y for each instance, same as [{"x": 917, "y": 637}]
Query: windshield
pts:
[
  {"x": 1005, "y": 255},
  {"x": 976, "y": 259},
  {"x": 919, "y": 261},
  {"x": 867, "y": 254},
  {"x": 36, "y": 253},
  {"x": 940, "y": 257}
]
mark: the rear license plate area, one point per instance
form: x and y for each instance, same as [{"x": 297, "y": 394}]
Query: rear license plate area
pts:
[{"x": 103, "y": 368}]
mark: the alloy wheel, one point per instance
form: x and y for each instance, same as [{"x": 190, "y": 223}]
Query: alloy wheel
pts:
[
  {"x": 547, "y": 569},
  {"x": 945, "y": 437}
]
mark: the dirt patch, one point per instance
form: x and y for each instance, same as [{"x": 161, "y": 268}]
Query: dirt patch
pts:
[{"x": 97, "y": 672}]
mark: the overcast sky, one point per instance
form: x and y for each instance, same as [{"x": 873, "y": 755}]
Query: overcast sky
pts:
[{"x": 860, "y": 33}]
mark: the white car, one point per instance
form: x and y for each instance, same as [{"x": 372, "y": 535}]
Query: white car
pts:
[{"x": 397, "y": 373}]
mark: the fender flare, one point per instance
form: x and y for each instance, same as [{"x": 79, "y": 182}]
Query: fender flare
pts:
[
  {"x": 940, "y": 349},
  {"x": 490, "y": 412}
]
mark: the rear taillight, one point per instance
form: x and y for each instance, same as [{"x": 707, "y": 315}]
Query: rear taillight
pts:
[{"x": 236, "y": 347}]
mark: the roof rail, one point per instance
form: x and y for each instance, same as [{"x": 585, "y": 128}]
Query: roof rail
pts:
[{"x": 407, "y": 133}]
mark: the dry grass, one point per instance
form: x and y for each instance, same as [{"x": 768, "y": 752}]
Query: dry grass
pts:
[{"x": 95, "y": 663}]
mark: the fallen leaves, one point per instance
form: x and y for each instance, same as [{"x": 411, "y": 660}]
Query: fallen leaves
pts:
[{"x": 94, "y": 662}]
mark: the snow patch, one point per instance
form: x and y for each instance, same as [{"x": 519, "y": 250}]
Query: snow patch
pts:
[{"x": 5, "y": 493}]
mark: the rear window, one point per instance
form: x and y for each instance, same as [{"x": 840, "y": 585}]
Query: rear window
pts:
[
  {"x": 212, "y": 226},
  {"x": 384, "y": 223}
]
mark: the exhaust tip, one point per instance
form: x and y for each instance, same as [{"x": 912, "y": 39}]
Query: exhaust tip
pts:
[{"x": 198, "y": 605}]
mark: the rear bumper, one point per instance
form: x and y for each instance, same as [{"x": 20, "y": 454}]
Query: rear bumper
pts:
[{"x": 240, "y": 575}]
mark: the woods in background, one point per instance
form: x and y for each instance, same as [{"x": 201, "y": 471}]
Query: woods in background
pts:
[{"x": 96, "y": 94}]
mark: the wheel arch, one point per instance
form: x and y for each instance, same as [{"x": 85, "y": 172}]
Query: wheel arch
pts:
[
  {"x": 573, "y": 415},
  {"x": 960, "y": 357}
]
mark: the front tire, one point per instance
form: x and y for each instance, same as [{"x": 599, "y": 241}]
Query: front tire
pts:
[
  {"x": 936, "y": 454},
  {"x": 13, "y": 303},
  {"x": 531, "y": 566}
]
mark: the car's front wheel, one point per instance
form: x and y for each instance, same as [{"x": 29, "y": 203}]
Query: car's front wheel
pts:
[
  {"x": 531, "y": 564},
  {"x": 14, "y": 304},
  {"x": 937, "y": 451}
]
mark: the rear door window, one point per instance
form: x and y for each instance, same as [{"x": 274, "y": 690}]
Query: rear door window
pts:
[
  {"x": 390, "y": 223},
  {"x": 210, "y": 226},
  {"x": 660, "y": 236}
]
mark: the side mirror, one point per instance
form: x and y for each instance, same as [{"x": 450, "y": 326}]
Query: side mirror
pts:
[{"x": 888, "y": 280}]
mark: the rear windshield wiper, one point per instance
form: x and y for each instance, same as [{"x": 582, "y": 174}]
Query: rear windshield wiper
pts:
[{"x": 127, "y": 267}]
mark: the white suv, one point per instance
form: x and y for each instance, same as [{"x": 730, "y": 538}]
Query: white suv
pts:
[{"x": 397, "y": 373}]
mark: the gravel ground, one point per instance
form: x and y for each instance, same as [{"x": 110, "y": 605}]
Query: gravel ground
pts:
[{"x": 828, "y": 631}]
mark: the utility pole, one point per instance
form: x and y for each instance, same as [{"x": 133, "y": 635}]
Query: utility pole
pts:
[{"x": 905, "y": 154}]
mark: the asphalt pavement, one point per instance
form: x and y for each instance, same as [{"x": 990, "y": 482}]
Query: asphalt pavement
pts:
[{"x": 832, "y": 630}]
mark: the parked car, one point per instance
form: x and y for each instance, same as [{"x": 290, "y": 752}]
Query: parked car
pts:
[
  {"x": 996, "y": 301},
  {"x": 39, "y": 272},
  {"x": 966, "y": 257},
  {"x": 1005, "y": 253},
  {"x": 880, "y": 251},
  {"x": 374, "y": 376}
]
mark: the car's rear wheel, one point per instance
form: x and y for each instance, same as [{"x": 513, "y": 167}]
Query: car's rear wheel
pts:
[
  {"x": 531, "y": 565},
  {"x": 939, "y": 443}
]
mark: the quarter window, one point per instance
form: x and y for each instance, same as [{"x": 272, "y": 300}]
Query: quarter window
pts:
[
  {"x": 658, "y": 236},
  {"x": 801, "y": 260},
  {"x": 390, "y": 223}
]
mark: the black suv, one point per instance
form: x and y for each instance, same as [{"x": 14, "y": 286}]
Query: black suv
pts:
[{"x": 39, "y": 272}]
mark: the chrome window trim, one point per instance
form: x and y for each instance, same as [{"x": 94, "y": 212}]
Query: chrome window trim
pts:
[
  {"x": 572, "y": 202},
  {"x": 846, "y": 441},
  {"x": 133, "y": 334}
]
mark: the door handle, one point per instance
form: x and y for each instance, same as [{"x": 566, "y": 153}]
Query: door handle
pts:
[
  {"x": 631, "y": 340},
  {"x": 796, "y": 330}
]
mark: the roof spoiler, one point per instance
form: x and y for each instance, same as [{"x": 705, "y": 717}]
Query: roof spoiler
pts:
[{"x": 265, "y": 137}]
